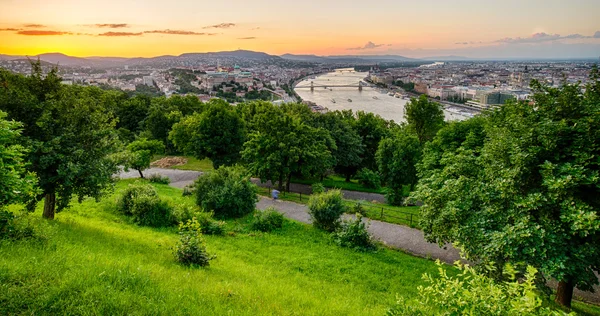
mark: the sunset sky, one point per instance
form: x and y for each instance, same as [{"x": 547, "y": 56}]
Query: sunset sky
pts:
[{"x": 484, "y": 28}]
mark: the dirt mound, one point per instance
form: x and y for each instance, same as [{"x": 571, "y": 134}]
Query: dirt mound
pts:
[{"x": 169, "y": 162}]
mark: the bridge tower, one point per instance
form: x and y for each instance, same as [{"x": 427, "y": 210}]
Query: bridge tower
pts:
[{"x": 312, "y": 87}]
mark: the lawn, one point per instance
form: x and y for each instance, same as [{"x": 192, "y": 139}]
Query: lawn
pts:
[
  {"x": 95, "y": 261},
  {"x": 338, "y": 182},
  {"x": 192, "y": 163}
]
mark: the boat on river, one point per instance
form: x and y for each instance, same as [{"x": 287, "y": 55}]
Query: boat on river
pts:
[{"x": 349, "y": 100}]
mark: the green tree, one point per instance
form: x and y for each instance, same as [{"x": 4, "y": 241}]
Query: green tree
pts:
[
  {"x": 530, "y": 192},
  {"x": 371, "y": 128},
  {"x": 282, "y": 144},
  {"x": 132, "y": 113},
  {"x": 397, "y": 157},
  {"x": 16, "y": 185},
  {"x": 349, "y": 147},
  {"x": 70, "y": 132},
  {"x": 218, "y": 133},
  {"x": 140, "y": 153},
  {"x": 424, "y": 117}
]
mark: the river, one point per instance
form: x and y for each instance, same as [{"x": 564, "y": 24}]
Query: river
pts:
[{"x": 372, "y": 100}]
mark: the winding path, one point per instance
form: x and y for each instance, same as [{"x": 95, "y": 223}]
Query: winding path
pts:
[{"x": 395, "y": 236}]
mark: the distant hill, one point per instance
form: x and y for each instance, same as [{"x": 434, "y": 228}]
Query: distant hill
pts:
[
  {"x": 247, "y": 54},
  {"x": 449, "y": 58},
  {"x": 349, "y": 58}
]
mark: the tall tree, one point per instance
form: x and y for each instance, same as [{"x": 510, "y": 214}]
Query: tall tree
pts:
[
  {"x": 282, "y": 145},
  {"x": 424, "y": 117},
  {"x": 218, "y": 133},
  {"x": 70, "y": 132},
  {"x": 397, "y": 157},
  {"x": 139, "y": 154},
  {"x": 372, "y": 129},
  {"x": 529, "y": 191}
]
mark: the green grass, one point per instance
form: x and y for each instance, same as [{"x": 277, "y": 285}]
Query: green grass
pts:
[
  {"x": 192, "y": 163},
  {"x": 338, "y": 182},
  {"x": 96, "y": 262}
]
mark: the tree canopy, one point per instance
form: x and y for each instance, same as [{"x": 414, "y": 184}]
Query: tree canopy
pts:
[
  {"x": 522, "y": 186},
  {"x": 424, "y": 117}
]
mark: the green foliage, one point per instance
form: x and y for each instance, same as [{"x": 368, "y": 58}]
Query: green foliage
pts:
[
  {"x": 280, "y": 143},
  {"x": 424, "y": 117},
  {"x": 470, "y": 293},
  {"x": 70, "y": 132},
  {"x": 208, "y": 225},
  {"x": 142, "y": 202},
  {"x": 397, "y": 158},
  {"x": 15, "y": 227},
  {"x": 16, "y": 185},
  {"x": 217, "y": 133},
  {"x": 157, "y": 178},
  {"x": 191, "y": 249},
  {"x": 369, "y": 178},
  {"x": 353, "y": 234},
  {"x": 267, "y": 220},
  {"x": 372, "y": 129},
  {"x": 227, "y": 191},
  {"x": 317, "y": 187},
  {"x": 325, "y": 209},
  {"x": 526, "y": 189},
  {"x": 139, "y": 153}
]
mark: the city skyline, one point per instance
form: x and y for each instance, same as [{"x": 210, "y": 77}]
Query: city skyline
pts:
[{"x": 544, "y": 29}]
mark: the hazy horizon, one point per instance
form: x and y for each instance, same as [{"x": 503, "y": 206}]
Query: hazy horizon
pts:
[{"x": 509, "y": 29}]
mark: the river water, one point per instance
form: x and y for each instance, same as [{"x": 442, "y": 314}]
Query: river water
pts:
[{"x": 372, "y": 100}]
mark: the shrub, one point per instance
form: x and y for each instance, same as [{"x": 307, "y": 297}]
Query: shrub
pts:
[
  {"x": 227, "y": 191},
  {"x": 126, "y": 201},
  {"x": 318, "y": 188},
  {"x": 157, "y": 178},
  {"x": 394, "y": 196},
  {"x": 470, "y": 293},
  {"x": 151, "y": 211},
  {"x": 354, "y": 234},
  {"x": 325, "y": 209},
  {"x": 191, "y": 249},
  {"x": 141, "y": 201},
  {"x": 267, "y": 220},
  {"x": 208, "y": 225},
  {"x": 13, "y": 227},
  {"x": 368, "y": 178},
  {"x": 189, "y": 190}
]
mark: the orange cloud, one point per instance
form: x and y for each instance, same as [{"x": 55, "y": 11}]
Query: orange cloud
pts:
[
  {"x": 176, "y": 32},
  {"x": 36, "y": 26},
  {"x": 116, "y": 34},
  {"x": 112, "y": 25},
  {"x": 42, "y": 33},
  {"x": 9, "y": 30},
  {"x": 220, "y": 26},
  {"x": 247, "y": 38}
]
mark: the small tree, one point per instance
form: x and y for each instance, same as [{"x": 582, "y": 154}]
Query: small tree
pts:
[
  {"x": 325, "y": 209},
  {"x": 227, "y": 191},
  {"x": 191, "y": 249},
  {"x": 140, "y": 153}
]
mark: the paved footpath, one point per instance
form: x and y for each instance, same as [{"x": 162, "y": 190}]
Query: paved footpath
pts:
[{"x": 395, "y": 236}]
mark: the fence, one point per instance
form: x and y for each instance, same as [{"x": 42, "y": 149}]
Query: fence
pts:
[{"x": 371, "y": 211}]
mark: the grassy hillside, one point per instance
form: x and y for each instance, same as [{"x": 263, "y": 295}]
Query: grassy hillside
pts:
[{"x": 94, "y": 261}]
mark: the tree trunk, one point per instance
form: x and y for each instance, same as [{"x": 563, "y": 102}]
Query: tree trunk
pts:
[
  {"x": 141, "y": 174},
  {"x": 348, "y": 177},
  {"x": 49, "y": 205},
  {"x": 287, "y": 185},
  {"x": 564, "y": 292},
  {"x": 280, "y": 184}
]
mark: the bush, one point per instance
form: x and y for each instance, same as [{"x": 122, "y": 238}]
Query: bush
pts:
[
  {"x": 325, "y": 209},
  {"x": 191, "y": 249},
  {"x": 227, "y": 191},
  {"x": 13, "y": 227},
  {"x": 157, "y": 178},
  {"x": 208, "y": 225},
  {"x": 318, "y": 188},
  {"x": 354, "y": 234},
  {"x": 470, "y": 293},
  {"x": 394, "y": 196},
  {"x": 189, "y": 190},
  {"x": 141, "y": 201},
  {"x": 368, "y": 178},
  {"x": 267, "y": 220},
  {"x": 126, "y": 201}
]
